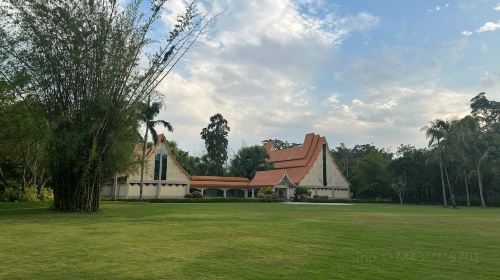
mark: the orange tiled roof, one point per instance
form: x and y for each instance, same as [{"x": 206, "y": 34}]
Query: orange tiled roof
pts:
[
  {"x": 218, "y": 181},
  {"x": 294, "y": 162}
]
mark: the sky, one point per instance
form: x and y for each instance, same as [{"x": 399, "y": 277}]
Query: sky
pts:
[{"x": 356, "y": 72}]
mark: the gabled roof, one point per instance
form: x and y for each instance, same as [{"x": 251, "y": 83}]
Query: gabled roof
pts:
[
  {"x": 151, "y": 151},
  {"x": 294, "y": 162},
  {"x": 218, "y": 181}
]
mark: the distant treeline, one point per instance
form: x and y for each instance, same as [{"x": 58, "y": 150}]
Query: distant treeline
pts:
[{"x": 461, "y": 164}]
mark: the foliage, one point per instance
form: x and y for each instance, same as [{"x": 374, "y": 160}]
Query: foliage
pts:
[
  {"x": 188, "y": 195},
  {"x": 281, "y": 144},
  {"x": 29, "y": 194},
  {"x": 215, "y": 137},
  {"x": 193, "y": 165},
  {"x": 301, "y": 193},
  {"x": 265, "y": 190},
  {"x": 370, "y": 176},
  {"x": 248, "y": 161},
  {"x": 83, "y": 62}
]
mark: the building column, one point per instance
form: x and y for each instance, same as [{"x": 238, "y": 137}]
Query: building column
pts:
[
  {"x": 246, "y": 192},
  {"x": 288, "y": 193},
  {"x": 225, "y": 192},
  {"x": 253, "y": 193},
  {"x": 201, "y": 191}
]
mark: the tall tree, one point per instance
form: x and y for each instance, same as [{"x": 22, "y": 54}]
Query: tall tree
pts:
[
  {"x": 148, "y": 114},
  {"x": 85, "y": 63},
  {"x": 248, "y": 161},
  {"x": 215, "y": 136},
  {"x": 436, "y": 133}
]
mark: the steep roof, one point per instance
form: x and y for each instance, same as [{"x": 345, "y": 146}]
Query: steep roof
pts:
[
  {"x": 294, "y": 162},
  {"x": 151, "y": 151},
  {"x": 218, "y": 181}
]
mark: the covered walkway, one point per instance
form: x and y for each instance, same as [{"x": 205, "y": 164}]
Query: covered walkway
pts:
[{"x": 220, "y": 186}]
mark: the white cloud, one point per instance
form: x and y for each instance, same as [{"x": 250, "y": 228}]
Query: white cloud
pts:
[
  {"x": 394, "y": 114},
  {"x": 497, "y": 7},
  {"x": 256, "y": 66},
  {"x": 466, "y": 33},
  {"x": 489, "y": 26}
]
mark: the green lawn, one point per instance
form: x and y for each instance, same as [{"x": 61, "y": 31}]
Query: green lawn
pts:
[{"x": 250, "y": 241}]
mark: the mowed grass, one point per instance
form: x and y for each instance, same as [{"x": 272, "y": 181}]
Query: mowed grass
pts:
[{"x": 250, "y": 241}]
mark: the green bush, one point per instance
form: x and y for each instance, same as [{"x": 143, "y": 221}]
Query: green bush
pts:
[
  {"x": 188, "y": 195},
  {"x": 10, "y": 195},
  {"x": 301, "y": 194},
  {"x": 30, "y": 194},
  {"x": 46, "y": 195},
  {"x": 265, "y": 190},
  {"x": 203, "y": 200}
]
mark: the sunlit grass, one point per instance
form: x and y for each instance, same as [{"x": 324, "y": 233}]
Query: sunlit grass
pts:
[{"x": 250, "y": 241}]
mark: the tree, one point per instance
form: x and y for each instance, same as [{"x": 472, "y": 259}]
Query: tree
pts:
[
  {"x": 300, "y": 193},
  {"x": 371, "y": 176},
  {"x": 281, "y": 144},
  {"x": 248, "y": 161},
  {"x": 436, "y": 132},
  {"x": 191, "y": 164},
  {"x": 149, "y": 112},
  {"x": 343, "y": 156},
  {"x": 215, "y": 136},
  {"x": 85, "y": 63}
]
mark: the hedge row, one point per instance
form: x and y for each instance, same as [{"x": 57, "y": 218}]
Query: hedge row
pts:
[{"x": 203, "y": 200}]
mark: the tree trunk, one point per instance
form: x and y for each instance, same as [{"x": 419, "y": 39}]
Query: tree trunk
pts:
[
  {"x": 480, "y": 183},
  {"x": 445, "y": 202},
  {"x": 467, "y": 188},
  {"x": 452, "y": 193},
  {"x": 144, "y": 147},
  {"x": 4, "y": 181}
]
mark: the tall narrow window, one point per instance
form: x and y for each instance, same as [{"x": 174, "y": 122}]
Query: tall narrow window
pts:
[
  {"x": 164, "y": 165},
  {"x": 157, "y": 165},
  {"x": 324, "y": 165}
]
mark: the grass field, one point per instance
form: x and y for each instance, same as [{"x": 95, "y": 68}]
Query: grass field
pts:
[{"x": 250, "y": 241}]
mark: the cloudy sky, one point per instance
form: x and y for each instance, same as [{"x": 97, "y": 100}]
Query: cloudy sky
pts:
[{"x": 354, "y": 71}]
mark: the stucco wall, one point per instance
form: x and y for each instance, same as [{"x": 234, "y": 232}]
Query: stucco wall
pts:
[
  {"x": 333, "y": 175},
  {"x": 174, "y": 172}
]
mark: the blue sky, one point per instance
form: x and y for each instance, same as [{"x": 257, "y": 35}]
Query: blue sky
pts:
[{"x": 355, "y": 71}]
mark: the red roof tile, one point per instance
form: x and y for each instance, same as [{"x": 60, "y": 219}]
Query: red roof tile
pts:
[
  {"x": 218, "y": 181},
  {"x": 295, "y": 162}
]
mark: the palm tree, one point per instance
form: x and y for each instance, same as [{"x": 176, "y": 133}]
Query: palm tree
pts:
[
  {"x": 435, "y": 133},
  {"x": 149, "y": 112},
  {"x": 474, "y": 146}
]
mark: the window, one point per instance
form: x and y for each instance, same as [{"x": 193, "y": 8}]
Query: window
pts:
[
  {"x": 164, "y": 165},
  {"x": 157, "y": 165},
  {"x": 324, "y": 165},
  {"x": 160, "y": 170}
]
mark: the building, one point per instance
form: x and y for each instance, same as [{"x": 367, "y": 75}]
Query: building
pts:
[
  {"x": 310, "y": 165},
  {"x": 163, "y": 176}
]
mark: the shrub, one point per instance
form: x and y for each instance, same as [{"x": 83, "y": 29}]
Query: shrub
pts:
[
  {"x": 197, "y": 194},
  {"x": 261, "y": 195},
  {"x": 316, "y": 196},
  {"x": 266, "y": 190},
  {"x": 188, "y": 195},
  {"x": 10, "y": 194},
  {"x": 46, "y": 195},
  {"x": 301, "y": 194},
  {"x": 30, "y": 194},
  {"x": 268, "y": 196}
]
